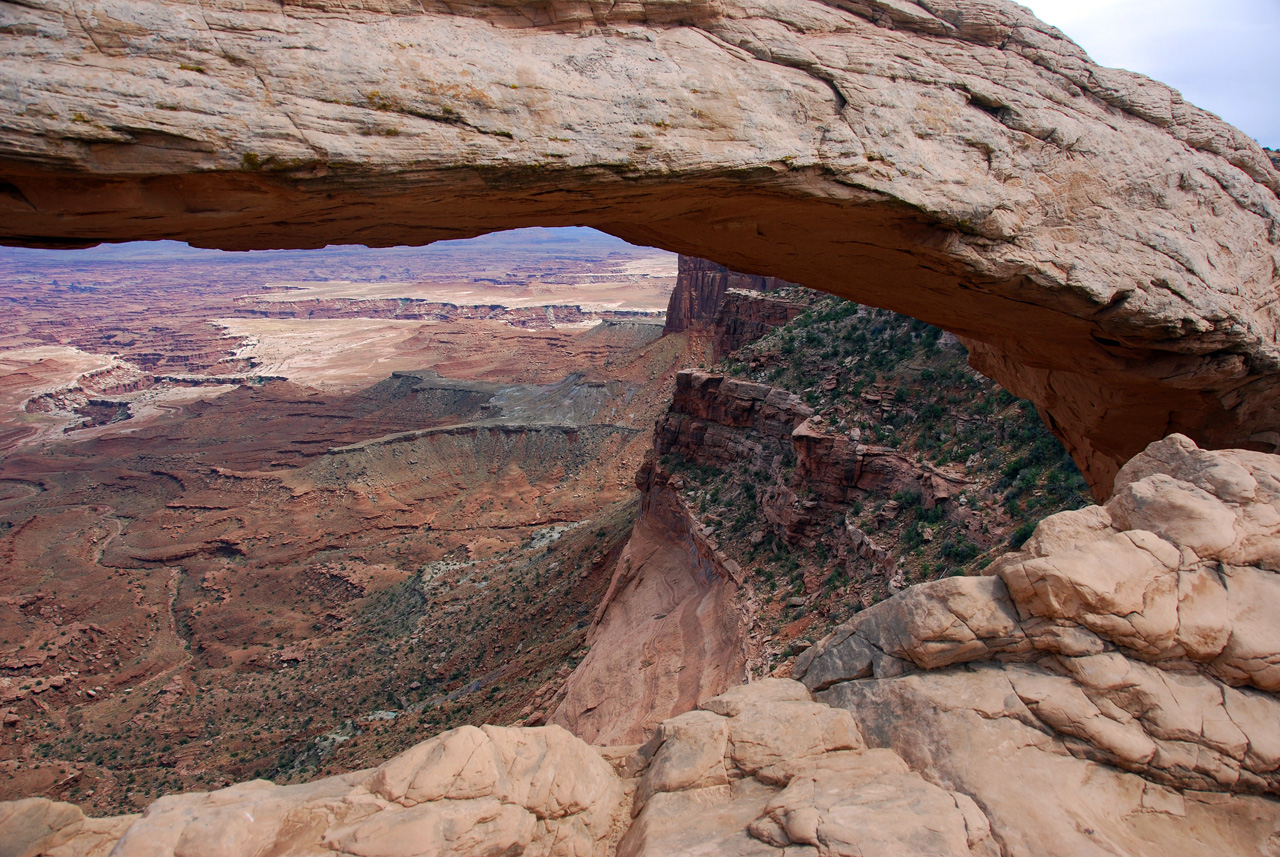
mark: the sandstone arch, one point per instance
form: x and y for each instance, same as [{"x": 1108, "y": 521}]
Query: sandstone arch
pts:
[{"x": 1108, "y": 250}]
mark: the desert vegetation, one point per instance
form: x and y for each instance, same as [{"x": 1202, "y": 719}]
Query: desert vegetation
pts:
[{"x": 901, "y": 387}]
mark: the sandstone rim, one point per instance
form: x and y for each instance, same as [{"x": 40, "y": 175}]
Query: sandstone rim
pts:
[{"x": 1106, "y": 249}]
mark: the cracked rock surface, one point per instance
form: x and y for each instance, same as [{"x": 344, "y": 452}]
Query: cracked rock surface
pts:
[
  {"x": 1140, "y": 636},
  {"x": 1105, "y": 248},
  {"x": 763, "y": 770}
]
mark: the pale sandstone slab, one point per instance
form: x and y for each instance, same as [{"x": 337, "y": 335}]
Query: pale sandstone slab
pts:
[
  {"x": 38, "y": 826},
  {"x": 793, "y": 779},
  {"x": 1105, "y": 248},
  {"x": 480, "y": 792},
  {"x": 967, "y": 729},
  {"x": 872, "y": 803},
  {"x": 1125, "y": 635}
]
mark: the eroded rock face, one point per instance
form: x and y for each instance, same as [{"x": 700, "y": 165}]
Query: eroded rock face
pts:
[
  {"x": 707, "y": 408},
  {"x": 763, "y": 770},
  {"x": 1141, "y": 634},
  {"x": 39, "y": 826},
  {"x": 968, "y": 729},
  {"x": 669, "y": 633},
  {"x": 745, "y": 316},
  {"x": 1105, "y": 248},
  {"x": 701, "y": 286},
  {"x": 719, "y": 421}
]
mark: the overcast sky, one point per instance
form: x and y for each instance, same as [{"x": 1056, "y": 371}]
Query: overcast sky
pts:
[{"x": 1222, "y": 55}]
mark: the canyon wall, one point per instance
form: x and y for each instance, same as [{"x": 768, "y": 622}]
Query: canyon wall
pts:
[
  {"x": 745, "y": 316},
  {"x": 708, "y": 409},
  {"x": 700, "y": 289},
  {"x": 1106, "y": 249},
  {"x": 669, "y": 634},
  {"x": 816, "y": 469},
  {"x": 671, "y": 631},
  {"x": 678, "y": 625}
]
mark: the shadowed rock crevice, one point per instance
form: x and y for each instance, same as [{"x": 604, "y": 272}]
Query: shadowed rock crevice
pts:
[{"x": 1104, "y": 248}]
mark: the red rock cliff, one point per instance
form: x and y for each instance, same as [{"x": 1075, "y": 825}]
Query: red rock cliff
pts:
[
  {"x": 744, "y": 317},
  {"x": 700, "y": 287},
  {"x": 720, "y": 421}
]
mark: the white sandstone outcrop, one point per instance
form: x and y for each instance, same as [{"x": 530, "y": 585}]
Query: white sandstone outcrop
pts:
[
  {"x": 1140, "y": 635},
  {"x": 469, "y": 792},
  {"x": 1105, "y": 248},
  {"x": 762, "y": 770}
]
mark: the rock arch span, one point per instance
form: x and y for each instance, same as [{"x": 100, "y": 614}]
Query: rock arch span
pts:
[{"x": 1106, "y": 249}]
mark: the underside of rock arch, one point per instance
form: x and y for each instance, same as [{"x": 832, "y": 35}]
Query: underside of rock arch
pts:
[{"x": 1105, "y": 249}]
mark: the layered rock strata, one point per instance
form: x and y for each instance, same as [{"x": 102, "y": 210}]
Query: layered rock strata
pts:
[
  {"x": 701, "y": 286},
  {"x": 720, "y": 421},
  {"x": 545, "y": 316},
  {"x": 1105, "y": 248},
  {"x": 708, "y": 410},
  {"x": 745, "y": 316}
]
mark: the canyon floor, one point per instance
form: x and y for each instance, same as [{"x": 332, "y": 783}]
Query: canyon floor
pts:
[{"x": 241, "y": 542}]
